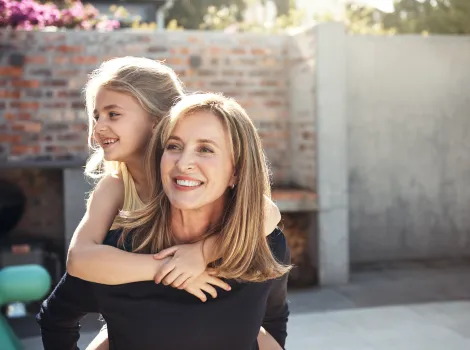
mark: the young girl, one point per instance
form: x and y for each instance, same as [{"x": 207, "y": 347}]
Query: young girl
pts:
[{"x": 126, "y": 98}]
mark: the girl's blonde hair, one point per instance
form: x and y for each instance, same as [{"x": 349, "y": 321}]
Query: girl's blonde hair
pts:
[
  {"x": 242, "y": 244},
  {"x": 155, "y": 86}
]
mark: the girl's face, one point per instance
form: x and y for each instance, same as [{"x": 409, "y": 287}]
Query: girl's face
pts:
[{"x": 123, "y": 128}]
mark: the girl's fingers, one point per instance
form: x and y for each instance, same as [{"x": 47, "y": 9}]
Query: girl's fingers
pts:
[
  {"x": 178, "y": 282},
  {"x": 165, "y": 253},
  {"x": 171, "y": 277},
  {"x": 164, "y": 270},
  {"x": 219, "y": 283},
  {"x": 209, "y": 289}
]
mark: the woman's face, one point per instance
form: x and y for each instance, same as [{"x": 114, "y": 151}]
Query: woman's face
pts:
[
  {"x": 196, "y": 166},
  {"x": 123, "y": 128}
]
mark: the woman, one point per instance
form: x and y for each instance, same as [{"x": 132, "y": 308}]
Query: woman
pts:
[{"x": 208, "y": 151}]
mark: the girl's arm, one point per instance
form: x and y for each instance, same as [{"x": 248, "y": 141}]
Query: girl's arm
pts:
[
  {"x": 92, "y": 261},
  {"x": 189, "y": 260}
]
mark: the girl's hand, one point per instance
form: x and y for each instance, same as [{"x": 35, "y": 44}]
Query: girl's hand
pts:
[
  {"x": 205, "y": 283},
  {"x": 186, "y": 263}
]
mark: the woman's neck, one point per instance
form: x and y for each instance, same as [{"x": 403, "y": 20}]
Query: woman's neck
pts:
[{"x": 191, "y": 225}]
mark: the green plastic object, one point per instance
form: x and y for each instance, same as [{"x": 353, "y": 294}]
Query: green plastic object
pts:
[{"x": 23, "y": 283}]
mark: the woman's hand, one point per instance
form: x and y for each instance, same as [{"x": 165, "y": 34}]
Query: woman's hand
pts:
[
  {"x": 204, "y": 283},
  {"x": 186, "y": 263}
]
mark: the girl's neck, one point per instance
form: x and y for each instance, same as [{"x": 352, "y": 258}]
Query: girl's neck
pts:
[{"x": 136, "y": 170}]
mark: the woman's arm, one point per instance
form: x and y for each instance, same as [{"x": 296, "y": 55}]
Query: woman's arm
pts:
[
  {"x": 92, "y": 261},
  {"x": 277, "y": 309}
]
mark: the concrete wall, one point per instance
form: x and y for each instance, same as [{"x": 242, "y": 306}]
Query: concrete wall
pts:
[
  {"x": 408, "y": 103},
  {"x": 332, "y": 184},
  {"x": 301, "y": 65}
]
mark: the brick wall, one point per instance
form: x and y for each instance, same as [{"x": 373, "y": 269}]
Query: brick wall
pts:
[
  {"x": 43, "y": 122},
  {"x": 42, "y": 118}
]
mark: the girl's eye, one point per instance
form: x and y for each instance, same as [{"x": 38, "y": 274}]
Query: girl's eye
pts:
[
  {"x": 96, "y": 117},
  {"x": 113, "y": 114},
  {"x": 172, "y": 146}
]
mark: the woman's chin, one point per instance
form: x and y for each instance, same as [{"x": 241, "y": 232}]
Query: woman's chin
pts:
[{"x": 184, "y": 206}]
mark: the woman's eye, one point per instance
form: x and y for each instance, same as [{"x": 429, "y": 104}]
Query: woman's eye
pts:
[
  {"x": 205, "y": 150},
  {"x": 113, "y": 114}
]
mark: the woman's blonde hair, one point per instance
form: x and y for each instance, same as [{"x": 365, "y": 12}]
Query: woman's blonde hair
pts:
[
  {"x": 242, "y": 244},
  {"x": 155, "y": 86}
]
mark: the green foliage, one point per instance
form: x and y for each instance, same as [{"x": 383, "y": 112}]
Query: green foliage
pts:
[{"x": 410, "y": 17}]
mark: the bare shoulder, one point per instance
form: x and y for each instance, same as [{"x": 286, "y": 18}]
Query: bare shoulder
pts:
[{"x": 109, "y": 188}]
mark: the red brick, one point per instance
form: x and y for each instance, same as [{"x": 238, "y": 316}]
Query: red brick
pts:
[
  {"x": 238, "y": 51},
  {"x": 11, "y": 71},
  {"x": 55, "y": 83},
  {"x": 84, "y": 60},
  {"x": 55, "y": 105},
  {"x": 194, "y": 39},
  {"x": 269, "y": 83},
  {"x": 175, "y": 61},
  {"x": 67, "y": 73},
  {"x": 9, "y": 94},
  {"x": 25, "y": 83},
  {"x": 308, "y": 135},
  {"x": 25, "y": 149},
  {"x": 36, "y": 60},
  {"x": 24, "y": 105},
  {"x": 78, "y": 105},
  {"x": 71, "y": 137},
  {"x": 157, "y": 49},
  {"x": 17, "y": 116},
  {"x": 70, "y": 49},
  {"x": 217, "y": 51},
  {"x": 9, "y": 138},
  {"x": 73, "y": 94},
  {"x": 61, "y": 60},
  {"x": 259, "y": 51},
  {"x": 80, "y": 127},
  {"x": 27, "y": 126}
]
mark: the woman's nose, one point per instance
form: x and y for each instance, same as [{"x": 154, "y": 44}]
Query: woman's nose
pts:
[{"x": 185, "y": 162}]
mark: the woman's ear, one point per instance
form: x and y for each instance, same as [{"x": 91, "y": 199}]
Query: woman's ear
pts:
[{"x": 233, "y": 181}]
